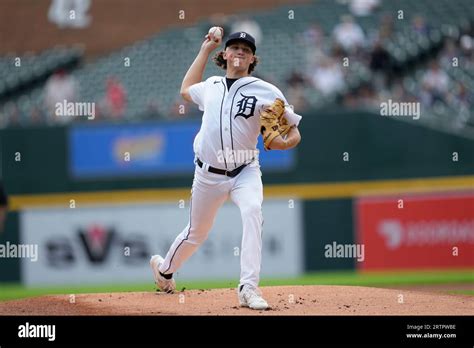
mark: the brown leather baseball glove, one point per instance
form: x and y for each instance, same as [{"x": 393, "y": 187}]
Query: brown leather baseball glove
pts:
[{"x": 272, "y": 122}]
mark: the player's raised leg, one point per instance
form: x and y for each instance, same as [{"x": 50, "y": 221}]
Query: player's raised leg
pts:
[{"x": 207, "y": 195}]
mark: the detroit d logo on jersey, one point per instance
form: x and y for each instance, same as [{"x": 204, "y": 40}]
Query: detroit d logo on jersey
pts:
[{"x": 246, "y": 106}]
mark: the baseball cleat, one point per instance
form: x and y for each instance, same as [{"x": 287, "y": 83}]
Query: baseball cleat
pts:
[
  {"x": 251, "y": 297},
  {"x": 166, "y": 285}
]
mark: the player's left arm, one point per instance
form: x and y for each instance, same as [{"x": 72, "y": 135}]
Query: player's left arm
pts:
[
  {"x": 288, "y": 122},
  {"x": 291, "y": 140},
  {"x": 293, "y": 137}
]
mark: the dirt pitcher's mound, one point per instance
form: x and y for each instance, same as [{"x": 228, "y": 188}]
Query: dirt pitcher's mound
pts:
[{"x": 284, "y": 300}]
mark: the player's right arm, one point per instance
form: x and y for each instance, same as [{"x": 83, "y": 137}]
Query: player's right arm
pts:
[{"x": 196, "y": 70}]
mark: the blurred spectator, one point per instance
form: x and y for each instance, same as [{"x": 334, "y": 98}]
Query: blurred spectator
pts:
[
  {"x": 328, "y": 77},
  {"x": 461, "y": 99},
  {"x": 13, "y": 114},
  {"x": 69, "y": 13},
  {"x": 312, "y": 39},
  {"x": 249, "y": 26},
  {"x": 435, "y": 85},
  {"x": 297, "y": 84},
  {"x": 60, "y": 87},
  {"x": 367, "y": 97},
  {"x": 467, "y": 44},
  {"x": 115, "y": 101},
  {"x": 363, "y": 7},
  {"x": 36, "y": 116},
  {"x": 386, "y": 27},
  {"x": 461, "y": 96},
  {"x": 313, "y": 35},
  {"x": 363, "y": 97},
  {"x": 419, "y": 26},
  {"x": 337, "y": 52},
  {"x": 379, "y": 58},
  {"x": 449, "y": 52},
  {"x": 350, "y": 100},
  {"x": 380, "y": 64},
  {"x": 3, "y": 118},
  {"x": 153, "y": 109},
  {"x": 296, "y": 79},
  {"x": 349, "y": 35},
  {"x": 464, "y": 96},
  {"x": 399, "y": 93}
]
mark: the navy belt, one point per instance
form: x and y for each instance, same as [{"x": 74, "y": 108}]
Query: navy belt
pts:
[{"x": 229, "y": 173}]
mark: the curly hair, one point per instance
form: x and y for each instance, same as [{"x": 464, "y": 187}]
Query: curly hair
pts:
[{"x": 221, "y": 62}]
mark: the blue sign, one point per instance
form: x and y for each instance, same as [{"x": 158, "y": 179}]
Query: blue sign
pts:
[{"x": 107, "y": 151}]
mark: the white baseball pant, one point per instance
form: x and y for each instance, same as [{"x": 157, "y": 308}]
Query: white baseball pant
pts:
[{"x": 209, "y": 192}]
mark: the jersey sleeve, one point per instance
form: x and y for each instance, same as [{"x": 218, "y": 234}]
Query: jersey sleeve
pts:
[
  {"x": 290, "y": 115},
  {"x": 197, "y": 93}
]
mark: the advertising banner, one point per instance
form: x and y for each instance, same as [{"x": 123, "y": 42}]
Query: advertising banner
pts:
[
  {"x": 416, "y": 230},
  {"x": 155, "y": 149},
  {"x": 114, "y": 244}
]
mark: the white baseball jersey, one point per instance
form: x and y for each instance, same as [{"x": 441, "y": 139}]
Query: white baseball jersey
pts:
[
  {"x": 231, "y": 117},
  {"x": 230, "y": 124}
]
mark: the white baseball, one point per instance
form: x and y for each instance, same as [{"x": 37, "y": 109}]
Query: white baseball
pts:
[{"x": 216, "y": 33}]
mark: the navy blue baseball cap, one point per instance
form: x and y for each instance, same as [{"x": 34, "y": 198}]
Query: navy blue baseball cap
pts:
[{"x": 242, "y": 36}]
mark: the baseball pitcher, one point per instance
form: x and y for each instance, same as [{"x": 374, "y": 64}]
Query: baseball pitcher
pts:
[{"x": 237, "y": 109}]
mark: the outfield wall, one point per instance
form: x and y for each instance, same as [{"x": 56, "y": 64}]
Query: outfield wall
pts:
[
  {"x": 342, "y": 156},
  {"x": 110, "y": 244},
  {"x": 377, "y": 148}
]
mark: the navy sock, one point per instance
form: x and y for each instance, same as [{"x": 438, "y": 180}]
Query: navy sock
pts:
[{"x": 167, "y": 276}]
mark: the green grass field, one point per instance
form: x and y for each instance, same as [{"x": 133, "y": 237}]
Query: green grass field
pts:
[{"x": 15, "y": 291}]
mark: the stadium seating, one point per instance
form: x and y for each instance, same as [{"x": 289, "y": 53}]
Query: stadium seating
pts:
[
  {"x": 23, "y": 71},
  {"x": 158, "y": 63}
]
